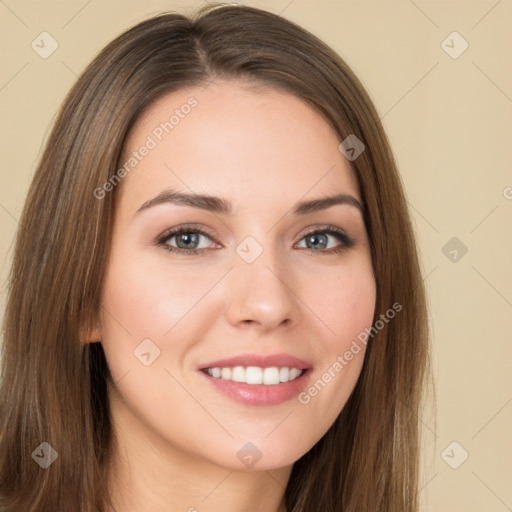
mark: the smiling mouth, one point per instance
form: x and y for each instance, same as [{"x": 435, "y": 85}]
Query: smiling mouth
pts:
[{"x": 268, "y": 376}]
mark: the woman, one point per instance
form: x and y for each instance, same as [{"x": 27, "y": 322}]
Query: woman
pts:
[{"x": 215, "y": 287}]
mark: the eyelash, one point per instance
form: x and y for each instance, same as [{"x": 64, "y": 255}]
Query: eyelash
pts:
[{"x": 346, "y": 241}]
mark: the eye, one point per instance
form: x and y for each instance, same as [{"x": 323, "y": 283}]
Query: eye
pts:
[
  {"x": 187, "y": 240},
  {"x": 318, "y": 240}
]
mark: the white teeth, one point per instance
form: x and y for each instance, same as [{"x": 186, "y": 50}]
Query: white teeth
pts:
[
  {"x": 271, "y": 376},
  {"x": 238, "y": 374},
  {"x": 294, "y": 373},
  {"x": 284, "y": 374},
  {"x": 256, "y": 375}
]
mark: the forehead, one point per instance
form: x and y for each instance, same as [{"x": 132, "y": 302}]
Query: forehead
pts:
[{"x": 239, "y": 142}]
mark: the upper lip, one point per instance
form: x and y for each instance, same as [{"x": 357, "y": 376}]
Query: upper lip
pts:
[{"x": 260, "y": 360}]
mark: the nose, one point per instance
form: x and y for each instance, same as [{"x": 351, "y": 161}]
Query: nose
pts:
[{"x": 262, "y": 293}]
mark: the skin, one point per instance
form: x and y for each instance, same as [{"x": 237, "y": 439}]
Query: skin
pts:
[{"x": 177, "y": 436}]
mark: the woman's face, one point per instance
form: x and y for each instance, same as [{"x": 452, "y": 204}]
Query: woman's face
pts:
[{"x": 254, "y": 280}]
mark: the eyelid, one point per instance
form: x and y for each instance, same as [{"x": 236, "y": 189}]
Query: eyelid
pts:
[
  {"x": 168, "y": 233},
  {"x": 323, "y": 228}
]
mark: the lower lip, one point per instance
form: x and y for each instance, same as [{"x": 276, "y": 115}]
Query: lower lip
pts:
[{"x": 260, "y": 394}]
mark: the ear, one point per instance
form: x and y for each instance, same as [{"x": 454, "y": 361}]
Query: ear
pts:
[
  {"x": 91, "y": 336},
  {"x": 90, "y": 332}
]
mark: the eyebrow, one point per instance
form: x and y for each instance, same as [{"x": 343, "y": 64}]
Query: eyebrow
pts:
[{"x": 223, "y": 206}]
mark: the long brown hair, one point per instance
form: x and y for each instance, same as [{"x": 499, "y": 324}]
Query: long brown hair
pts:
[{"x": 53, "y": 387}]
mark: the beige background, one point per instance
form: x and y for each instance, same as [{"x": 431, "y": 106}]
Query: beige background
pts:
[{"x": 450, "y": 125}]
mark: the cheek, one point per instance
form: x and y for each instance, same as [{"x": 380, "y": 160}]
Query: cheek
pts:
[
  {"x": 344, "y": 302},
  {"x": 346, "y": 306},
  {"x": 147, "y": 300}
]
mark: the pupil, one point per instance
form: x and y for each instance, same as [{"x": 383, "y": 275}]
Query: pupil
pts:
[
  {"x": 314, "y": 240},
  {"x": 188, "y": 238}
]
